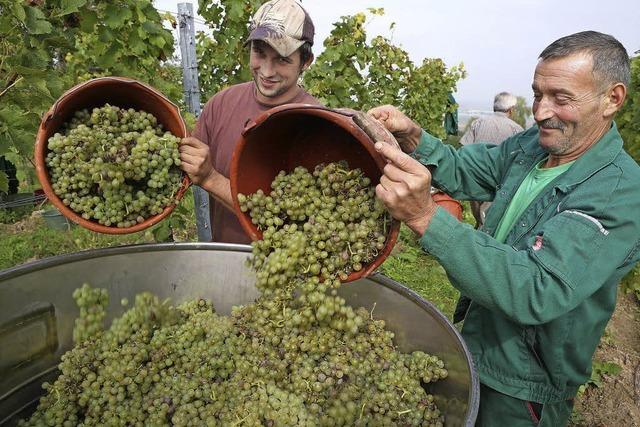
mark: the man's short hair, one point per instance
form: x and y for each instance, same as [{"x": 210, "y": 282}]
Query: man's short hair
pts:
[
  {"x": 610, "y": 58},
  {"x": 504, "y": 101}
]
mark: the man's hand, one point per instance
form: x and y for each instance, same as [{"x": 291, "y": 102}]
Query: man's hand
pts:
[
  {"x": 196, "y": 161},
  {"x": 405, "y": 189},
  {"x": 406, "y": 131}
]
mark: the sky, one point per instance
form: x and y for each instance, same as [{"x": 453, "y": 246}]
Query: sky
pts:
[{"x": 498, "y": 41}]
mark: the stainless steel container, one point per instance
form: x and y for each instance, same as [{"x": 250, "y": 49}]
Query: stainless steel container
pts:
[{"x": 37, "y": 313}]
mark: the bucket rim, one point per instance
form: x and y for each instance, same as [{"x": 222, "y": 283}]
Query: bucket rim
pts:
[{"x": 44, "y": 263}]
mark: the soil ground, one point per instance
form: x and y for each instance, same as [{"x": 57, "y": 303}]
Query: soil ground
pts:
[{"x": 617, "y": 401}]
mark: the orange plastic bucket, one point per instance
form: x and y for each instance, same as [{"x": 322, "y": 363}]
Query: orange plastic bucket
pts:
[
  {"x": 119, "y": 91},
  {"x": 451, "y": 205},
  {"x": 305, "y": 135}
]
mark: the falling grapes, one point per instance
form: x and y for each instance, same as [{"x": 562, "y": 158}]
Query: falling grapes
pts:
[
  {"x": 297, "y": 356},
  {"x": 114, "y": 166}
]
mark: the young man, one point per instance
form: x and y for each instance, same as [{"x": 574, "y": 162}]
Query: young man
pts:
[
  {"x": 541, "y": 277},
  {"x": 281, "y": 36}
]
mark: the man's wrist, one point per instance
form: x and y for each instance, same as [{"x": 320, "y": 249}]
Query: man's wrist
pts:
[
  {"x": 420, "y": 224},
  {"x": 412, "y": 139}
]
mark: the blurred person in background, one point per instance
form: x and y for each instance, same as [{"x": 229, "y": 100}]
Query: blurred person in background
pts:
[{"x": 492, "y": 129}]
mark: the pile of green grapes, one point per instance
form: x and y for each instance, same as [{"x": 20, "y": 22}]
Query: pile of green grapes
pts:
[
  {"x": 297, "y": 356},
  {"x": 325, "y": 222},
  {"x": 114, "y": 166}
]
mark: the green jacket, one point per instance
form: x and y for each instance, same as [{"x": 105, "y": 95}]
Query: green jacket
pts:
[{"x": 540, "y": 301}]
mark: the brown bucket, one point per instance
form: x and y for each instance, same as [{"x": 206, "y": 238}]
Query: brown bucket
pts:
[
  {"x": 306, "y": 135},
  {"x": 124, "y": 93},
  {"x": 449, "y": 204}
]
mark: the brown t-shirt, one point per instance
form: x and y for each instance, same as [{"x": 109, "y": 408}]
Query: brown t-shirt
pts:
[{"x": 220, "y": 126}]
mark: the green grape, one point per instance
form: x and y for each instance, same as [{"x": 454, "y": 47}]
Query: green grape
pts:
[
  {"x": 297, "y": 356},
  {"x": 111, "y": 154}
]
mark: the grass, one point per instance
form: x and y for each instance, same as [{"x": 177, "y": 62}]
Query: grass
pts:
[
  {"x": 31, "y": 239},
  {"x": 412, "y": 267}
]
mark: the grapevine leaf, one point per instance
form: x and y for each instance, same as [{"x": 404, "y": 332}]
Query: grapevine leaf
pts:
[
  {"x": 151, "y": 27},
  {"x": 71, "y": 6},
  {"x": 105, "y": 35},
  {"x": 36, "y": 22},
  {"x": 108, "y": 59},
  {"x": 18, "y": 11},
  {"x": 158, "y": 41},
  {"x": 88, "y": 21},
  {"x": 116, "y": 16}
]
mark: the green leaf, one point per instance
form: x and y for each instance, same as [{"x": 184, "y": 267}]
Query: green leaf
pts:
[
  {"x": 108, "y": 59},
  {"x": 18, "y": 11},
  {"x": 236, "y": 9},
  {"x": 71, "y": 6},
  {"x": 105, "y": 35},
  {"x": 41, "y": 86},
  {"x": 151, "y": 27},
  {"x": 116, "y": 16},
  {"x": 135, "y": 43},
  {"x": 4, "y": 182},
  {"x": 36, "y": 22},
  {"x": 158, "y": 41},
  {"x": 88, "y": 21},
  {"x": 56, "y": 85},
  {"x": 162, "y": 232}
]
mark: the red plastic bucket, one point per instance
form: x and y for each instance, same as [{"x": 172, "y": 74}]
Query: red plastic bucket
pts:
[
  {"x": 451, "y": 205},
  {"x": 119, "y": 91},
  {"x": 305, "y": 135}
]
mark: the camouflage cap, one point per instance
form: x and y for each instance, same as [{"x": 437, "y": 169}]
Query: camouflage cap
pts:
[{"x": 283, "y": 24}]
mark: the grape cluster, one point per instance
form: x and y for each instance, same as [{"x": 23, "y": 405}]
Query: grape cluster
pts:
[
  {"x": 326, "y": 223},
  {"x": 114, "y": 166},
  {"x": 92, "y": 303},
  {"x": 297, "y": 356},
  {"x": 188, "y": 366}
]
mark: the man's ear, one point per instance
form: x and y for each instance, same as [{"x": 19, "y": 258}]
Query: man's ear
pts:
[
  {"x": 614, "y": 99},
  {"x": 307, "y": 64}
]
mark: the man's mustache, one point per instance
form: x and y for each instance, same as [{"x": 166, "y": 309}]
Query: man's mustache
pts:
[{"x": 551, "y": 124}]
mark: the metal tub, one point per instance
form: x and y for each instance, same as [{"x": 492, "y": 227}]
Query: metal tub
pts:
[{"x": 37, "y": 313}]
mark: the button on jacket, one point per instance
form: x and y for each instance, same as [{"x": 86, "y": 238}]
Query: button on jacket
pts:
[{"x": 540, "y": 301}]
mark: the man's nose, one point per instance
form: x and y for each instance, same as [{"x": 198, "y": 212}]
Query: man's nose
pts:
[
  {"x": 267, "y": 69},
  {"x": 542, "y": 110}
]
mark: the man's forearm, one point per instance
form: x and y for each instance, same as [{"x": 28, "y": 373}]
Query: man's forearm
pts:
[{"x": 218, "y": 186}]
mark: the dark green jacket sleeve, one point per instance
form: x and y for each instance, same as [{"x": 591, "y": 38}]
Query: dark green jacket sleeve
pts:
[
  {"x": 472, "y": 172},
  {"x": 584, "y": 236}
]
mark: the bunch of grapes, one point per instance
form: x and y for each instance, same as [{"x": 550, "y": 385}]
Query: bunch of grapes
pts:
[
  {"x": 264, "y": 365},
  {"x": 326, "y": 223},
  {"x": 114, "y": 166},
  {"x": 297, "y": 356}
]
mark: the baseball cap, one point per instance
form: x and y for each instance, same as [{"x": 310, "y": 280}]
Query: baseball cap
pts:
[{"x": 283, "y": 24}]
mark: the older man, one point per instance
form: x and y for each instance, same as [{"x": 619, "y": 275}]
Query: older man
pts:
[
  {"x": 281, "y": 36},
  {"x": 541, "y": 278},
  {"x": 497, "y": 127},
  {"x": 492, "y": 129}
]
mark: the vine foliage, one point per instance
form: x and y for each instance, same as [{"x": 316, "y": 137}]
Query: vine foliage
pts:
[
  {"x": 628, "y": 120},
  {"x": 48, "y": 46},
  {"x": 351, "y": 72}
]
